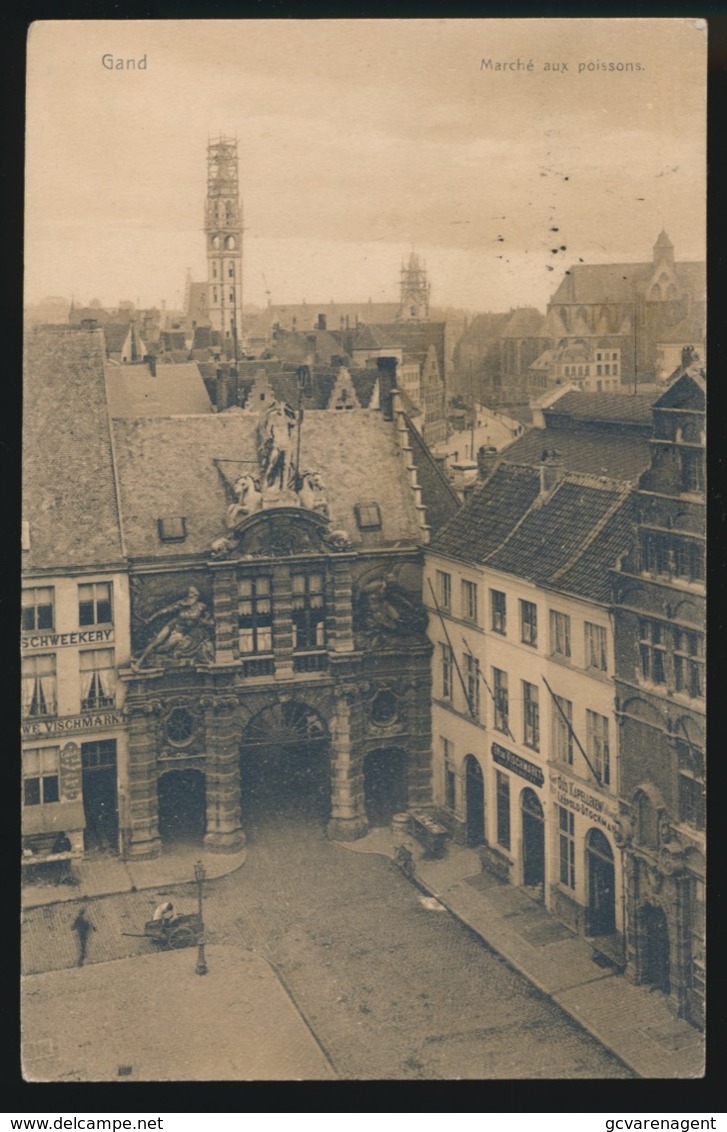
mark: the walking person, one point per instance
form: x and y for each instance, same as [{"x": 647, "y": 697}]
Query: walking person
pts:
[{"x": 83, "y": 928}]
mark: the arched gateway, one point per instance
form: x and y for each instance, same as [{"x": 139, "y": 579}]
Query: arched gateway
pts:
[{"x": 285, "y": 764}]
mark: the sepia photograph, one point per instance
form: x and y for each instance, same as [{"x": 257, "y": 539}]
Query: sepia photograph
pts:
[{"x": 363, "y": 550}]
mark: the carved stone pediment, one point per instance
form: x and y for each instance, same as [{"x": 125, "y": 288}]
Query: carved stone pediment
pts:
[{"x": 279, "y": 533}]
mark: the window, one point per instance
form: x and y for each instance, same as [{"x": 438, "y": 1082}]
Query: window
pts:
[
  {"x": 562, "y": 730},
  {"x": 255, "y": 615},
  {"x": 597, "y": 745},
  {"x": 690, "y": 761},
  {"x": 309, "y": 614},
  {"x": 652, "y": 650},
  {"x": 179, "y": 728},
  {"x": 596, "y": 647},
  {"x": 444, "y": 590},
  {"x": 38, "y": 674},
  {"x": 503, "y": 809},
  {"x": 172, "y": 528},
  {"x": 94, "y": 604},
  {"x": 98, "y": 679},
  {"x": 472, "y": 676},
  {"x": 368, "y": 516},
  {"x": 689, "y": 560},
  {"x": 671, "y": 556},
  {"x": 37, "y": 609},
  {"x": 559, "y": 634},
  {"x": 469, "y": 601},
  {"x": 693, "y": 470},
  {"x": 450, "y": 778},
  {"x": 445, "y": 653},
  {"x": 567, "y": 845},
  {"x": 40, "y": 776},
  {"x": 501, "y": 705},
  {"x": 689, "y": 663},
  {"x": 528, "y": 623},
  {"x": 531, "y": 716},
  {"x": 498, "y": 609},
  {"x": 98, "y": 754}
]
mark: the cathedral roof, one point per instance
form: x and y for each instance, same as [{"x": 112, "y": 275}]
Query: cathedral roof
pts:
[{"x": 593, "y": 283}]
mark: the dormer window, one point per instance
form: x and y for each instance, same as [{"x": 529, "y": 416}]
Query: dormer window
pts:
[
  {"x": 172, "y": 528},
  {"x": 368, "y": 516}
]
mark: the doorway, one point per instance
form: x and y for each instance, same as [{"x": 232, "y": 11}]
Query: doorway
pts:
[
  {"x": 474, "y": 793},
  {"x": 100, "y": 800},
  {"x": 285, "y": 765},
  {"x": 182, "y": 804},
  {"x": 533, "y": 841},
  {"x": 385, "y": 788},
  {"x": 601, "y": 885},
  {"x": 655, "y": 948}
]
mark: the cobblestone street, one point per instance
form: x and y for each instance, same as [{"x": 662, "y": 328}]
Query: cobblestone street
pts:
[{"x": 388, "y": 981}]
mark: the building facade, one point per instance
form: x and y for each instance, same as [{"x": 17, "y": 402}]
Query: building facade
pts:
[
  {"x": 659, "y": 598},
  {"x": 525, "y": 744}
]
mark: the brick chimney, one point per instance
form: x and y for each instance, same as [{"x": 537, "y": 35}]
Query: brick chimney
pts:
[
  {"x": 486, "y": 460},
  {"x": 552, "y": 470}
]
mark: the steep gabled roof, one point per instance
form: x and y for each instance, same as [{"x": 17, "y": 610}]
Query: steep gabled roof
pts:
[
  {"x": 174, "y": 390},
  {"x": 615, "y": 408},
  {"x": 618, "y": 455},
  {"x": 488, "y": 516},
  {"x": 688, "y": 392},
  {"x": 69, "y": 497}
]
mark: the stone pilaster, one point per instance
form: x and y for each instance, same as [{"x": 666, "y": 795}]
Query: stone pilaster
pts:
[
  {"x": 348, "y": 805},
  {"x": 224, "y": 602},
  {"x": 142, "y": 838},
  {"x": 224, "y": 832},
  {"x": 282, "y": 620},
  {"x": 419, "y": 745},
  {"x": 339, "y": 612}
]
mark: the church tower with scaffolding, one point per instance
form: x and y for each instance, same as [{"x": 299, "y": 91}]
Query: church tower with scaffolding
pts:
[
  {"x": 223, "y": 231},
  {"x": 414, "y": 291}
]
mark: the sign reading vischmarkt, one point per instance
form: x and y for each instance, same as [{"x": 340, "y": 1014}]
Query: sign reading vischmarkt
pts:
[
  {"x": 102, "y": 721},
  {"x": 518, "y": 765}
]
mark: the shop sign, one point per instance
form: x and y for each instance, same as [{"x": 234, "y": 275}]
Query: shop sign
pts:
[
  {"x": 531, "y": 772},
  {"x": 58, "y": 640},
  {"x": 40, "y": 728},
  {"x": 71, "y": 773},
  {"x": 580, "y": 800}
]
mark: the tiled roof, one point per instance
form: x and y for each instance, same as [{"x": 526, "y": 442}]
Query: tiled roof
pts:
[
  {"x": 588, "y": 283},
  {"x": 175, "y": 390},
  {"x": 567, "y": 539},
  {"x": 619, "y": 455},
  {"x": 619, "y": 408},
  {"x": 69, "y": 497},
  {"x": 487, "y": 518},
  {"x": 167, "y": 466}
]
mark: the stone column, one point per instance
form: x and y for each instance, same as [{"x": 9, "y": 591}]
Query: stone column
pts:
[
  {"x": 348, "y": 809},
  {"x": 224, "y": 602},
  {"x": 224, "y": 832},
  {"x": 143, "y": 811},
  {"x": 282, "y": 620},
  {"x": 339, "y": 613}
]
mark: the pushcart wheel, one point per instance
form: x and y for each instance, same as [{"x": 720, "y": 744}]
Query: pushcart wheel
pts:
[{"x": 182, "y": 937}]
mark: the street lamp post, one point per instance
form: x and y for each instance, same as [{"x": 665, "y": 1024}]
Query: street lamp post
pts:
[{"x": 199, "y": 875}]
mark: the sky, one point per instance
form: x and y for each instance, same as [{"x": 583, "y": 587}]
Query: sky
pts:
[{"x": 361, "y": 140}]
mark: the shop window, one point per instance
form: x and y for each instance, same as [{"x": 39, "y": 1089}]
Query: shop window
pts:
[
  {"x": 563, "y": 730},
  {"x": 445, "y": 656},
  {"x": 498, "y": 610},
  {"x": 255, "y": 615},
  {"x": 94, "y": 604},
  {"x": 531, "y": 716},
  {"x": 98, "y": 678},
  {"x": 652, "y": 650},
  {"x": 40, "y": 776},
  {"x": 469, "y": 601},
  {"x": 309, "y": 614},
  {"x": 567, "y": 847},
  {"x": 502, "y": 784},
  {"x": 529, "y": 623},
  {"x": 560, "y": 634},
  {"x": 38, "y": 685},
  {"x": 444, "y": 590},
  {"x": 501, "y": 720},
  {"x": 597, "y": 745},
  {"x": 37, "y": 608},
  {"x": 472, "y": 678},
  {"x": 595, "y": 639},
  {"x": 689, "y": 663}
]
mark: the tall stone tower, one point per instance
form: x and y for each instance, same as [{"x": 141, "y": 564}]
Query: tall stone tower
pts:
[
  {"x": 223, "y": 229},
  {"x": 414, "y": 291}
]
